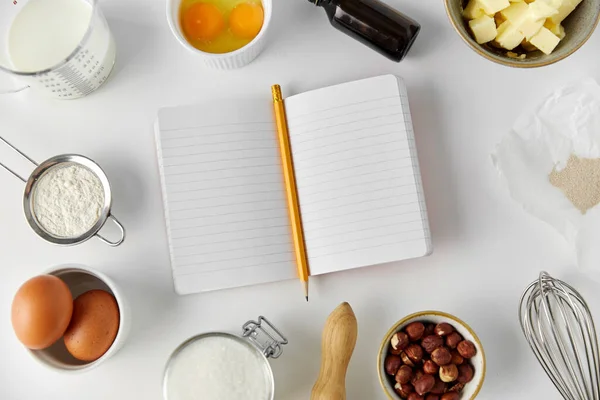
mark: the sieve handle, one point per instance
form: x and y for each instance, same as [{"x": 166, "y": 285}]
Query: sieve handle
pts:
[
  {"x": 121, "y": 228},
  {"x": 25, "y": 156}
]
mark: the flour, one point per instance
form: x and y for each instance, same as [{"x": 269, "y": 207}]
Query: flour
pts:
[
  {"x": 217, "y": 368},
  {"x": 68, "y": 200}
]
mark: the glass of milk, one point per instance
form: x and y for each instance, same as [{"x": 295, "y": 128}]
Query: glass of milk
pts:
[{"x": 63, "y": 48}]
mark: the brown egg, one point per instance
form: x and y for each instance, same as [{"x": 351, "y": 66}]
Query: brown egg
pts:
[
  {"x": 94, "y": 325},
  {"x": 41, "y": 311}
]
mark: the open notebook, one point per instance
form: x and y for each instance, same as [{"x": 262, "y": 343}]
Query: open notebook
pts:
[{"x": 357, "y": 174}]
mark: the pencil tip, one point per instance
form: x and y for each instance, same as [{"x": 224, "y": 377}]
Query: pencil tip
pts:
[{"x": 307, "y": 298}]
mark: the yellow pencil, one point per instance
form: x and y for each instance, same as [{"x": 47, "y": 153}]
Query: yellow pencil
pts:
[{"x": 285, "y": 149}]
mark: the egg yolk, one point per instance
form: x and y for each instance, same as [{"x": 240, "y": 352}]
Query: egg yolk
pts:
[
  {"x": 246, "y": 20},
  {"x": 203, "y": 21}
]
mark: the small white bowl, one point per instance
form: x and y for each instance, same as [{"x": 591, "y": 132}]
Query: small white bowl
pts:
[
  {"x": 472, "y": 388},
  {"x": 224, "y": 61},
  {"x": 81, "y": 279}
]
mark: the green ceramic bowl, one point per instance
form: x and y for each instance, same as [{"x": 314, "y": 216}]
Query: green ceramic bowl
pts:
[{"x": 579, "y": 26}]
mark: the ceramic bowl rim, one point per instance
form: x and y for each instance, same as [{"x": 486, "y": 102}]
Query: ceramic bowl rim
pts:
[
  {"x": 510, "y": 62},
  {"x": 425, "y": 314}
]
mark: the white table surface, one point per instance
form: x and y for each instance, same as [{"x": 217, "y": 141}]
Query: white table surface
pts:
[{"x": 486, "y": 249}]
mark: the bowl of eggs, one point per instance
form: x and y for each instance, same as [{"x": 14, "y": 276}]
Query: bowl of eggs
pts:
[
  {"x": 524, "y": 33},
  {"x": 70, "y": 319},
  {"x": 225, "y": 34}
]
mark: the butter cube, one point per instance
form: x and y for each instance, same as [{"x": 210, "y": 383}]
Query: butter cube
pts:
[
  {"x": 545, "y": 41},
  {"x": 523, "y": 18},
  {"x": 509, "y": 36},
  {"x": 483, "y": 28},
  {"x": 557, "y": 29},
  {"x": 517, "y": 1},
  {"x": 566, "y": 8},
  {"x": 473, "y": 10},
  {"x": 515, "y": 12},
  {"x": 491, "y": 7},
  {"x": 542, "y": 9},
  {"x": 530, "y": 25}
]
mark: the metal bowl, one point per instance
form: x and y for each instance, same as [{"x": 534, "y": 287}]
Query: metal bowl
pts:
[{"x": 28, "y": 205}]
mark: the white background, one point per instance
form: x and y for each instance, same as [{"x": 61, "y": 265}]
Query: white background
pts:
[{"x": 486, "y": 249}]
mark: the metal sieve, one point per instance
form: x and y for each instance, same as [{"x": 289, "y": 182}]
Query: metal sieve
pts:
[{"x": 30, "y": 187}]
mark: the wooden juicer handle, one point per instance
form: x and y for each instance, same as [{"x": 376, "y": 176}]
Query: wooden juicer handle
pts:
[{"x": 339, "y": 338}]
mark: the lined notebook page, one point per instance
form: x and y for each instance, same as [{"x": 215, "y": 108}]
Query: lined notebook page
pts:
[
  {"x": 357, "y": 174},
  {"x": 225, "y": 206}
]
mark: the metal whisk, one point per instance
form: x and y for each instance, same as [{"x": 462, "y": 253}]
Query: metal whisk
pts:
[{"x": 558, "y": 325}]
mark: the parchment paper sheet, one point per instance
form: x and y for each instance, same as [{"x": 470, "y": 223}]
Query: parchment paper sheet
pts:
[{"x": 566, "y": 123}]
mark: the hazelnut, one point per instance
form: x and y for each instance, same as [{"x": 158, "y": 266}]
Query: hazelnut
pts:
[
  {"x": 431, "y": 342},
  {"x": 392, "y": 363},
  {"x": 431, "y": 368},
  {"x": 398, "y": 342},
  {"x": 417, "y": 375},
  {"x": 453, "y": 339},
  {"x": 414, "y": 396},
  {"x": 404, "y": 374},
  {"x": 457, "y": 388},
  {"x": 432, "y": 396},
  {"x": 448, "y": 373},
  {"x": 415, "y": 330},
  {"x": 443, "y": 329},
  {"x": 465, "y": 373},
  {"x": 450, "y": 396},
  {"x": 429, "y": 330},
  {"x": 414, "y": 352},
  {"x": 467, "y": 349},
  {"x": 424, "y": 384},
  {"x": 441, "y": 356},
  {"x": 457, "y": 359},
  {"x": 403, "y": 390},
  {"x": 439, "y": 387},
  {"x": 406, "y": 360}
]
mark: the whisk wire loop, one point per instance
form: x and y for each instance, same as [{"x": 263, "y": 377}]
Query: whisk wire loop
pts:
[{"x": 560, "y": 330}]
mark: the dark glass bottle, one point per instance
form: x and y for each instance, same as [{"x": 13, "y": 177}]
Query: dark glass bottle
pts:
[{"x": 373, "y": 23}]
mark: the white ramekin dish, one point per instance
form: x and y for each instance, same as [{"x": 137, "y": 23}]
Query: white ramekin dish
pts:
[
  {"x": 81, "y": 279},
  {"x": 224, "y": 61}
]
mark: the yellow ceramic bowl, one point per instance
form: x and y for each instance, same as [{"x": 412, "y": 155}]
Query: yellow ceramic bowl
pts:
[
  {"x": 579, "y": 26},
  {"x": 471, "y": 389}
]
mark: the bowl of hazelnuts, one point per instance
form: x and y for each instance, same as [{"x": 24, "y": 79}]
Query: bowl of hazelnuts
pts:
[{"x": 431, "y": 355}]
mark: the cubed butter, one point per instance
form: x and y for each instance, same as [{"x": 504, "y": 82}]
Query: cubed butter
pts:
[
  {"x": 509, "y": 36},
  {"x": 491, "y": 7},
  {"x": 473, "y": 10},
  {"x": 517, "y": 1},
  {"x": 558, "y": 30},
  {"x": 483, "y": 28},
  {"x": 552, "y": 3},
  {"x": 545, "y": 41},
  {"x": 566, "y": 8},
  {"x": 542, "y": 10},
  {"x": 530, "y": 25},
  {"x": 515, "y": 12}
]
